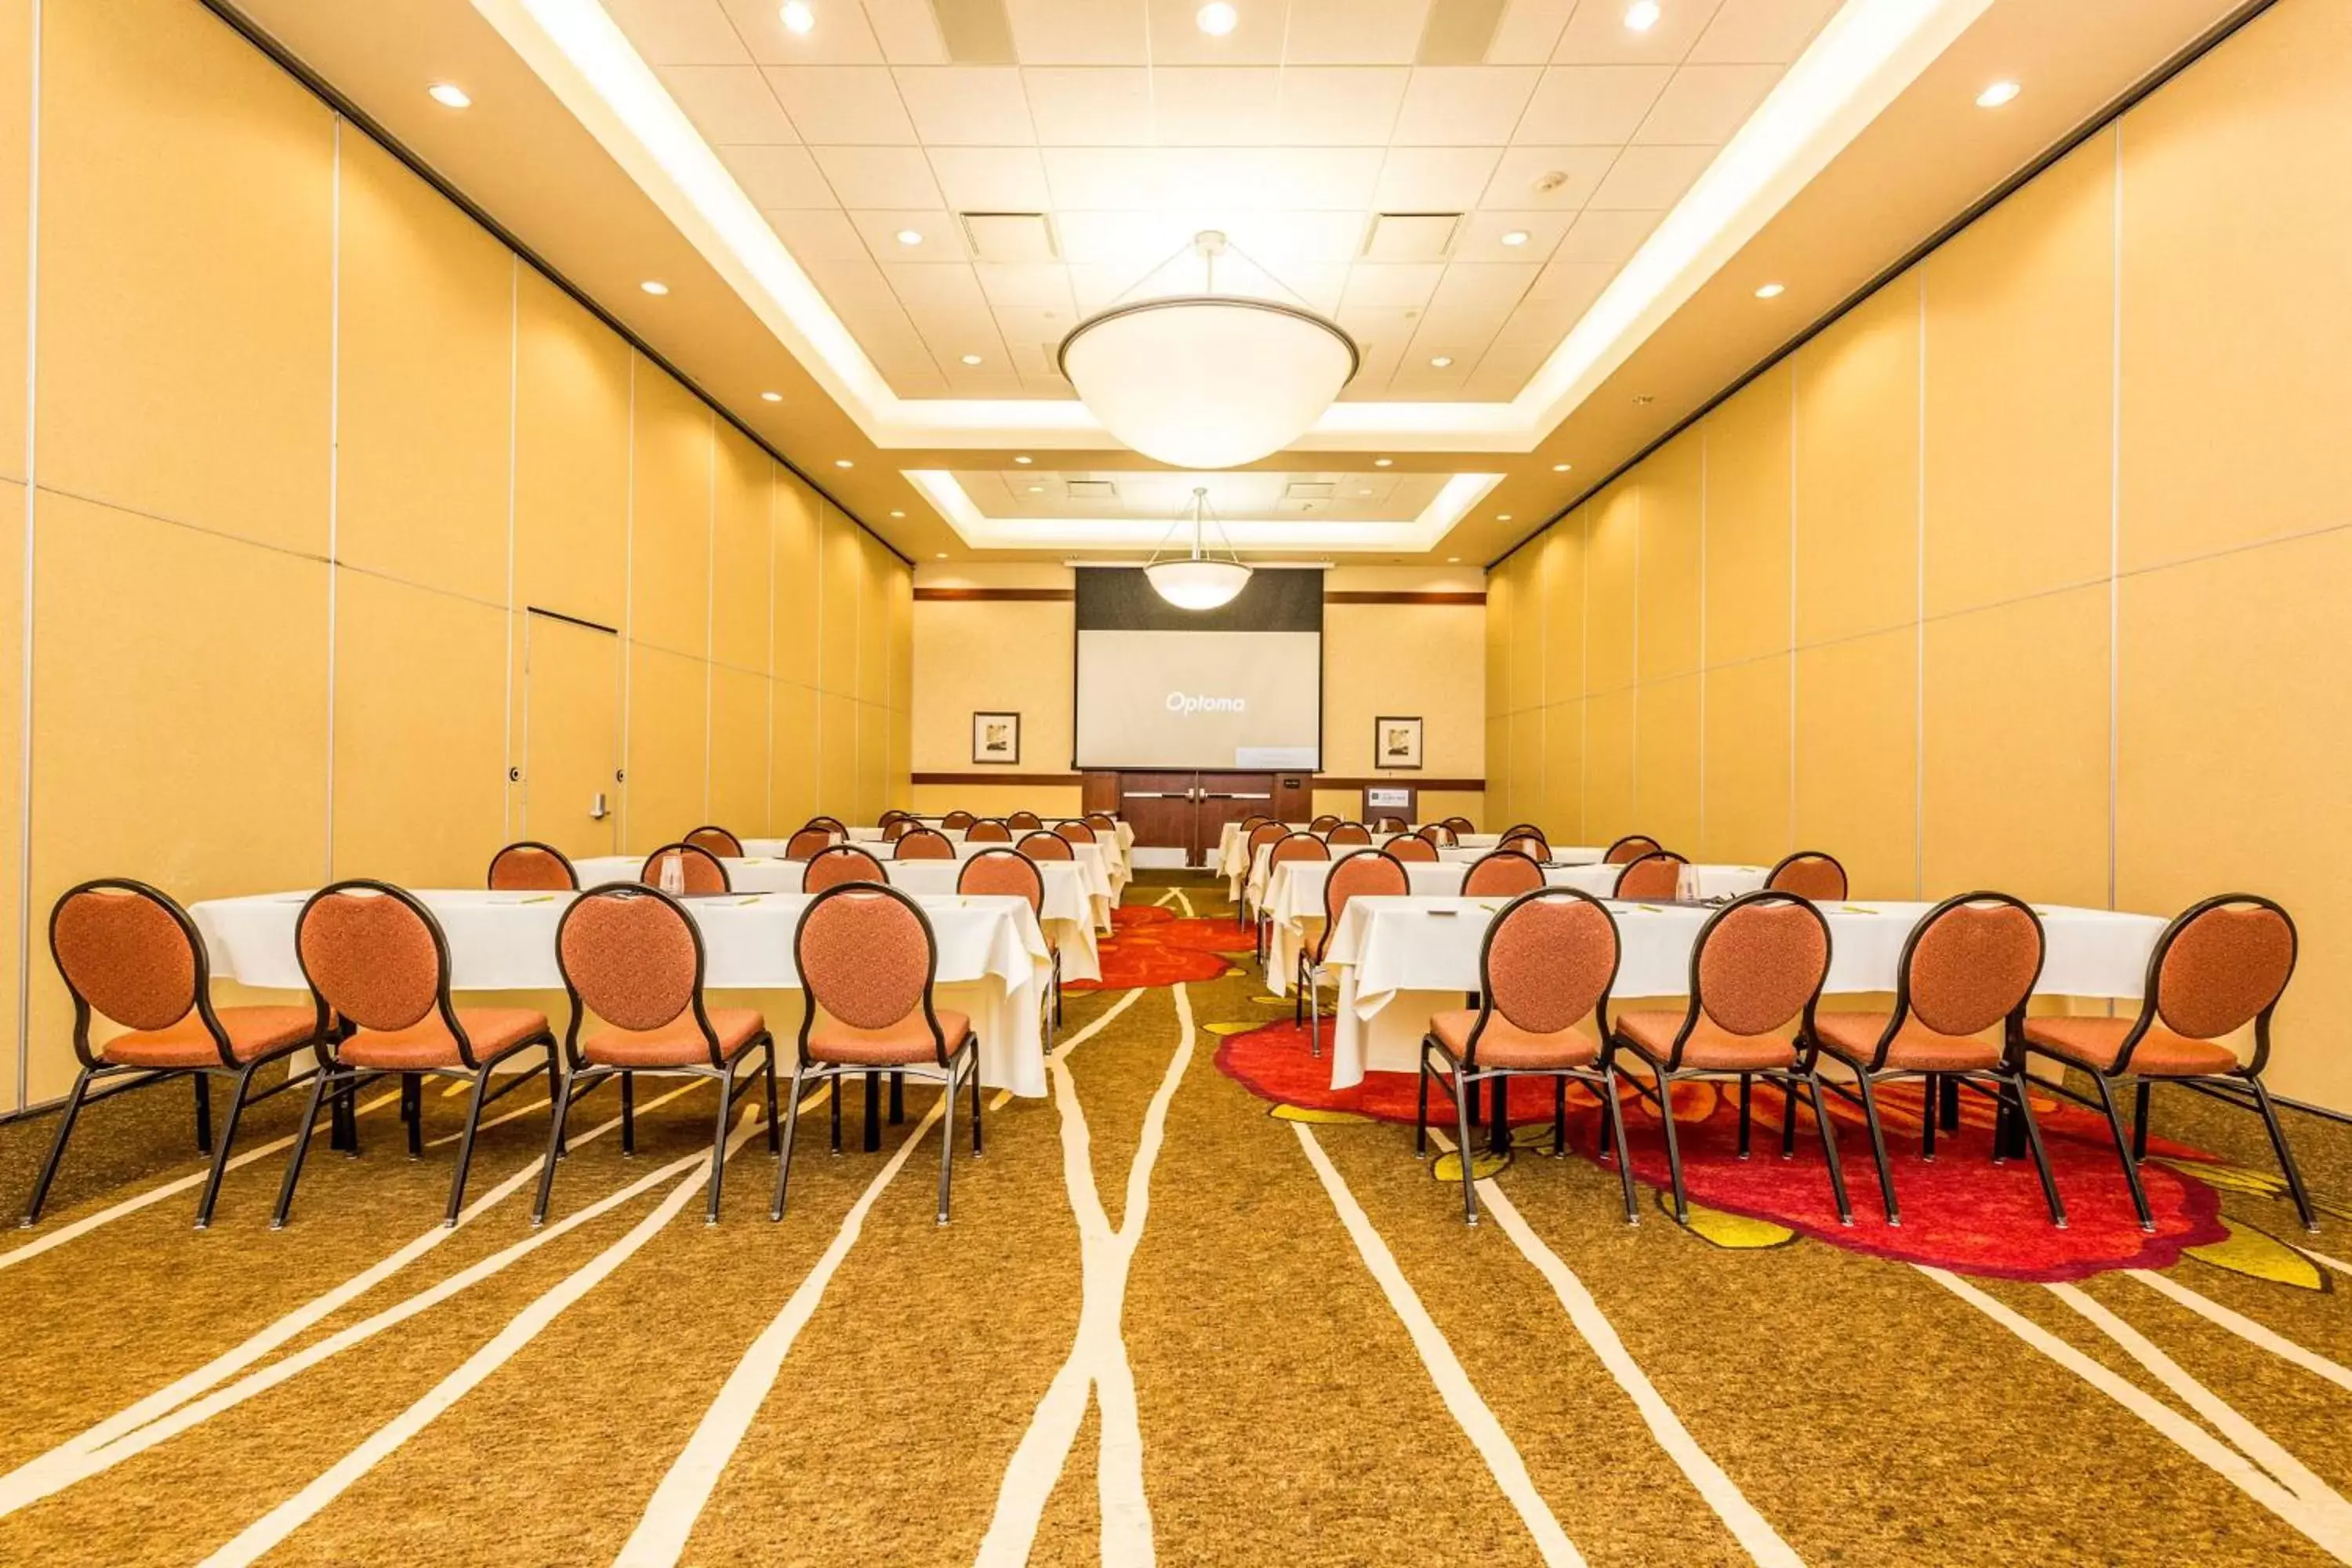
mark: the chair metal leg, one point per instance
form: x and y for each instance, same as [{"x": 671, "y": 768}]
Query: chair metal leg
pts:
[
  {"x": 2286, "y": 1155},
  {"x": 947, "y": 1139},
  {"x": 1420, "y": 1106},
  {"x": 301, "y": 1147},
  {"x": 1614, "y": 1120},
  {"x": 204, "y": 1111},
  {"x": 1747, "y": 1108},
  {"x": 1558, "y": 1117},
  {"x": 1788, "y": 1126},
  {"x": 466, "y": 1143},
  {"x": 784, "y": 1158},
  {"x": 1674, "y": 1146},
  {"x": 2032, "y": 1131},
  {"x": 1878, "y": 1150},
  {"x": 978, "y": 1148},
  {"x": 1314, "y": 1016},
  {"x": 1931, "y": 1110},
  {"x": 560, "y": 1112},
  {"x": 1829, "y": 1144},
  {"x": 1462, "y": 1147},
  {"x": 412, "y": 1111},
  {"x": 897, "y": 1099},
  {"x": 718, "y": 1143},
  {"x": 767, "y": 1067},
  {"x": 873, "y": 1112},
  {"x": 66, "y": 1119},
  {"x": 2139, "y": 1121},
  {"x": 628, "y": 1115},
  {"x": 2122, "y": 1152},
  {"x": 833, "y": 1104},
  {"x": 1950, "y": 1110},
  {"x": 1498, "y": 1096},
  {"x": 220, "y": 1156}
]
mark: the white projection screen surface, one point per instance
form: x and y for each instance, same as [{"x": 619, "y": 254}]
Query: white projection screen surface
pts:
[{"x": 1240, "y": 687}]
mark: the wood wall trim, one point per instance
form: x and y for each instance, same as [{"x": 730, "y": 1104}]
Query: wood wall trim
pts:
[
  {"x": 1404, "y": 598},
  {"x": 996, "y": 595},
  {"x": 1326, "y": 781},
  {"x": 1034, "y": 781},
  {"x": 1315, "y": 780}
]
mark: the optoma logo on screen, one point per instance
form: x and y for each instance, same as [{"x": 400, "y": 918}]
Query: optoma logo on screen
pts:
[{"x": 1180, "y": 703}]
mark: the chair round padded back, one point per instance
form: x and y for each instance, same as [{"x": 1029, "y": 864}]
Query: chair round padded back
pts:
[
  {"x": 1264, "y": 834},
  {"x": 1297, "y": 847},
  {"x": 1323, "y": 824},
  {"x": 698, "y": 867},
  {"x": 958, "y": 820},
  {"x": 926, "y": 844},
  {"x": 716, "y": 840},
  {"x": 891, "y": 815},
  {"x": 1460, "y": 825},
  {"x": 1255, "y": 821},
  {"x": 128, "y": 950},
  {"x": 1501, "y": 874},
  {"x": 807, "y": 843},
  {"x": 841, "y": 863},
  {"x": 1102, "y": 822},
  {"x": 1654, "y": 876},
  {"x": 1024, "y": 822},
  {"x": 1409, "y": 847},
  {"x": 1367, "y": 873},
  {"x": 374, "y": 953},
  {"x": 866, "y": 957},
  {"x": 1808, "y": 874},
  {"x": 1004, "y": 873},
  {"x": 1548, "y": 959},
  {"x": 898, "y": 828},
  {"x": 1759, "y": 960},
  {"x": 2221, "y": 964},
  {"x": 1970, "y": 962},
  {"x": 1076, "y": 832},
  {"x": 988, "y": 830},
  {"x": 1391, "y": 825},
  {"x": 1521, "y": 841},
  {"x": 1630, "y": 848},
  {"x": 830, "y": 824},
  {"x": 631, "y": 955},
  {"x": 1350, "y": 833},
  {"x": 1044, "y": 846},
  {"x": 1438, "y": 834},
  {"x": 529, "y": 866}
]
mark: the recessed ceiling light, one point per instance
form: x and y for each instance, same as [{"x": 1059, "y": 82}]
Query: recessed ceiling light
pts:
[
  {"x": 772, "y": 397},
  {"x": 1771, "y": 292},
  {"x": 971, "y": 359},
  {"x": 1217, "y": 18},
  {"x": 1382, "y": 462},
  {"x": 1561, "y": 467},
  {"x": 1999, "y": 93},
  {"x": 1641, "y": 15},
  {"x": 1022, "y": 460},
  {"x": 897, "y": 513},
  {"x": 910, "y": 236},
  {"x": 842, "y": 463},
  {"x": 1037, "y": 489},
  {"x": 1363, "y": 492},
  {"x": 449, "y": 95},
  {"x": 942, "y": 555},
  {"x": 798, "y": 17},
  {"x": 1517, "y": 236},
  {"x": 654, "y": 286},
  {"x": 1502, "y": 517},
  {"x": 1441, "y": 361},
  {"x": 1453, "y": 561}
]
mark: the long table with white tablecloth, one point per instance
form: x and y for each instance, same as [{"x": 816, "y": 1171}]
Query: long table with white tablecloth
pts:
[
  {"x": 993, "y": 960},
  {"x": 1091, "y": 859},
  {"x": 1232, "y": 861}
]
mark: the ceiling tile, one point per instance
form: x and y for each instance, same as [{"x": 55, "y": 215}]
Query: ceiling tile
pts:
[
  {"x": 907, "y": 31},
  {"x": 1459, "y": 106},
  {"x": 1398, "y": 286},
  {"x": 1651, "y": 178},
  {"x": 1293, "y": 245},
  {"x": 843, "y": 105},
  {"x": 1025, "y": 285},
  {"x": 1355, "y": 31},
  {"x": 1340, "y": 106},
  {"x": 943, "y": 237},
  {"x": 1606, "y": 236},
  {"x": 1528, "y": 31},
  {"x": 1482, "y": 234},
  {"x": 1433, "y": 179},
  {"x": 1474, "y": 299},
  {"x": 1090, "y": 107},
  {"x": 1571, "y": 284},
  {"x": 1597, "y": 33},
  {"x": 818, "y": 235},
  {"x": 840, "y": 37},
  {"x": 1096, "y": 178},
  {"x": 1556, "y": 179},
  {"x": 992, "y": 179},
  {"x": 1079, "y": 32},
  {"x": 1214, "y": 106},
  {"x": 946, "y": 305},
  {"x": 1707, "y": 103},
  {"x": 880, "y": 176},
  {"x": 1177, "y": 38},
  {"x": 679, "y": 32},
  {"x": 965, "y": 106},
  {"x": 730, "y": 104},
  {"x": 1111, "y": 251},
  {"x": 851, "y": 283},
  {"x": 1578, "y": 105},
  {"x": 778, "y": 176},
  {"x": 1753, "y": 32}
]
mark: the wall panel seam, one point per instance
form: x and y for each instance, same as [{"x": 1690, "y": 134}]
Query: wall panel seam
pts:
[
  {"x": 334, "y": 455},
  {"x": 2114, "y": 511},
  {"x": 514, "y": 420},
  {"x": 32, "y": 492}
]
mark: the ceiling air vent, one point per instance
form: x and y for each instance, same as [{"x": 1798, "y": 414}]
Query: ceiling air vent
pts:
[
  {"x": 976, "y": 32},
  {"x": 1309, "y": 490},
  {"x": 1091, "y": 489},
  {"x": 1411, "y": 236},
  {"x": 1009, "y": 237}
]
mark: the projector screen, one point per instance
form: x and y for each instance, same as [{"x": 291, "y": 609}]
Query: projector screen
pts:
[{"x": 1239, "y": 687}]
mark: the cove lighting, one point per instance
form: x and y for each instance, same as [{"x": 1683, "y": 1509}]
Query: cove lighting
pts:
[
  {"x": 449, "y": 95},
  {"x": 1999, "y": 93},
  {"x": 1217, "y": 18},
  {"x": 1641, "y": 15},
  {"x": 799, "y": 17}
]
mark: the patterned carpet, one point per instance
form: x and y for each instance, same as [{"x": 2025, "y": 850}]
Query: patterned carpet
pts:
[{"x": 1193, "y": 1308}]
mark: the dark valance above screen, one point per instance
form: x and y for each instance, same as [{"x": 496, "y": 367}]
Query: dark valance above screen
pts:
[{"x": 1120, "y": 598}]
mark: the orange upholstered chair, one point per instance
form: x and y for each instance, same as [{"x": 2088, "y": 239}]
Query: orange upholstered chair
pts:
[
  {"x": 1657, "y": 875},
  {"x": 1630, "y": 848},
  {"x": 1268, "y": 832},
  {"x": 1438, "y": 834},
  {"x": 1460, "y": 825},
  {"x": 1546, "y": 965},
  {"x": 1323, "y": 824},
  {"x": 1968, "y": 965},
  {"x": 528, "y": 866},
  {"x": 1287, "y": 845},
  {"x": 830, "y": 824},
  {"x": 988, "y": 830},
  {"x": 376, "y": 957},
  {"x": 716, "y": 840},
  {"x": 1366, "y": 873},
  {"x": 957, "y": 821},
  {"x": 1391, "y": 825},
  {"x": 632, "y": 957},
  {"x": 867, "y": 961},
  {"x": 1501, "y": 874},
  {"x": 1411, "y": 848},
  {"x": 1103, "y": 822},
  {"x": 1044, "y": 846},
  {"x": 1024, "y": 821},
  {"x": 926, "y": 844},
  {"x": 128, "y": 952},
  {"x": 891, "y": 815},
  {"x": 841, "y": 863},
  {"x": 1254, "y": 821},
  {"x": 1076, "y": 832},
  {"x": 1009, "y": 873},
  {"x": 699, "y": 867},
  {"x": 807, "y": 843},
  {"x": 1350, "y": 835},
  {"x": 1756, "y": 970},
  {"x": 1808, "y": 874},
  {"x": 1527, "y": 841},
  {"x": 899, "y": 828},
  {"x": 2220, "y": 965}
]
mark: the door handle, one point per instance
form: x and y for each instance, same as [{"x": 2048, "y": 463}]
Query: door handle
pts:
[{"x": 596, "y": 811}]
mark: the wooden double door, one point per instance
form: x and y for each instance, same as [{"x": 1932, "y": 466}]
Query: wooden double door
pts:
[{"x": 1188, "y": 810}]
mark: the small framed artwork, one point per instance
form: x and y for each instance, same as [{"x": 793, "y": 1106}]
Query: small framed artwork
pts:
[
  {"x": 996, "y": 737},
  {"x": 1396, "y": 743}
]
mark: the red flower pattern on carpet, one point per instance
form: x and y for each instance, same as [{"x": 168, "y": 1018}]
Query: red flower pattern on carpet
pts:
[
  {"x": 1960, "y": 1211},
  {"x": 1151, "y": 946}
]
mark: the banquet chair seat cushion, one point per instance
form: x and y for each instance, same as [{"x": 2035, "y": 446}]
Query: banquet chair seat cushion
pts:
[
  {"x": 1506, "y": 1045},
  {"x": 1710, "y": 1048},
  {"x": 676, "y": 1044},
  {"x": 427, "y": 1043},
  {"x": 1918, "y": 1048},
  {"x": 252, "y": 1032},
  {"x": 2093, "y": 1043},
  {"x": 906, "y": 1043}
]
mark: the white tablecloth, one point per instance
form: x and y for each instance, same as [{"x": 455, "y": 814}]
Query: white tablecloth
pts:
[
  {"x": 1293, "y": 902},
  {"x": 1467, "y": 854},
  {"x": 993, "y": 960},
  {"x": 1401, "y": 960},
  {"x": 1233, "y": 849},
  {"x": 1118, "y": 849},
  {"x": 1693, "y": 882}
]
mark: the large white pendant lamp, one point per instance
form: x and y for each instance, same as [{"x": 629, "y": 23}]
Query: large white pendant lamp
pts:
[
  {"x": 1198, "y": 581},
  {"x": 1207, "y": 380}
]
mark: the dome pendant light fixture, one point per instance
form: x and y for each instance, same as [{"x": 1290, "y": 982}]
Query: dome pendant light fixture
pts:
[
  {"x": 1198, "y": 581},
  {"x": 1208, "y": 380}
]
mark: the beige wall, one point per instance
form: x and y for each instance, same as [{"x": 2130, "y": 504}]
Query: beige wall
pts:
[
  {"x": 2029, "y": 572},
  {"x": 305, "y": 442}
]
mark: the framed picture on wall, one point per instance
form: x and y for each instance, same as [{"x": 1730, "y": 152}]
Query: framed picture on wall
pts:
[
  {"x": 1396, "y": 743},
  {"x": 996, "y": 737}
]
